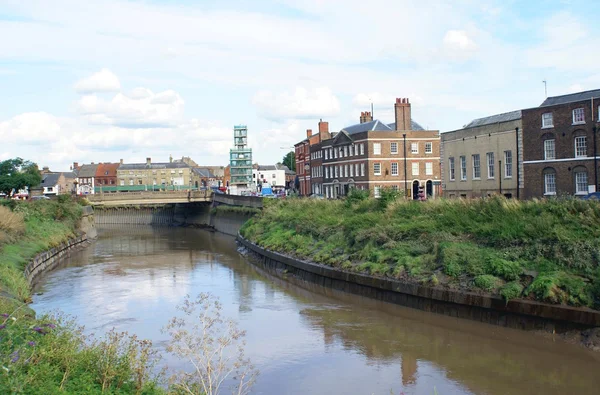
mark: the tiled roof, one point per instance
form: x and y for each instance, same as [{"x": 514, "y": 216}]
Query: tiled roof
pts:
[
  {"x": 367, "y": 127},
  {"x": 498, "y": 118},
  {"x": 141, "y": 166},
  {"x": 202, "y": 172},
  {"x": 69, "y": 174},
  {"x": 50, "y": 179},
  {"x": 87, "y": 171},
  {"x": 413, "y": 125},
  {"x": 573, "y": 97}
]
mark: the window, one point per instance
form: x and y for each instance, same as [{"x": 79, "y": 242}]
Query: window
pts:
[
  {"x": 362, "y": 169},
  {"x": 376, "y": 148},
  {"x": 415, "y": 168},
  {"x": 414, "y": 148},
  {"x": 122, "y": 182},
  {"x": 335, "y": 153},
  {"x": 578, "y": 115},
  {"x": 154, "y": 181},
  {"x": 273, "y": 176},
  {"x": 428, "y": 148},
  {"x": 598, "y": 112},
  {"x": 394, "y": 148},
  {"x": 163, "y": 181},
  {"x": 346, "y": 151},
  {"x": 351, "y": 170},
  {"x": 130, "y": 181},
  {"x": 336, "y": 171},
  {"x": 394, "y": 168},
  {"x": 351, "y": 150},
  {"x": 326, "y": 156},
  {"x": 490, "y": 164},
  {"x": 549, "y": 151},
  {"x": 395, "y": 188},
  {"x": 581, "y": 182},
  {"x": 580, "y": 147},
  {"x": 550, "y": 184},
  {"x": 507, "y": 164},
  {"x": 463, "y": 168},
  {"x": 346, "y": 172},
  {"x": 451, "y": 168},
  {"x": 330, "y": 153},
  {"x": 377, "y": 169},
  {"x": 362, "y": 149},
  {"x": 429, "y": 168},
  {"x": 476, "y": 166},
  {"x": 377, "y": 191},
  {"x": 547, "y": 121},
  {"x": 326, "y": 169}
]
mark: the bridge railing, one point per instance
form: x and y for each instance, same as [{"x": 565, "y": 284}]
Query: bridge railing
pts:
[{"x": 162, "y": 195}]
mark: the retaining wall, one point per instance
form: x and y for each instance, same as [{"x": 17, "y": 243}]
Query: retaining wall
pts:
[
  {"x": 519, "y": 314},
  {"x": 47, "y": 260},
  {"x": 234, "y": 200},
  {"x": 229, "y": 222},
  {"x": 160, "y": 215}
]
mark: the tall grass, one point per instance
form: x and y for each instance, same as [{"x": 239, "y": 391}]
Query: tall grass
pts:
[{"x": 511, "y": 243}]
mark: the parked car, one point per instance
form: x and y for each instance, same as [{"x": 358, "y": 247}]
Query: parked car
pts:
[
  {"x": 592, "y": 196},
  {"x": 40, "y": 198}
]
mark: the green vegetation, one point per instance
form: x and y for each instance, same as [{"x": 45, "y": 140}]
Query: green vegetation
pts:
[
  {"x": 17, "y": 174},
  {"x": 28, "y": 228},
  {"x": 543, "y": 250}
]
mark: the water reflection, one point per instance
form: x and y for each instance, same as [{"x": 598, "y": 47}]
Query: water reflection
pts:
[{"x": 302, "y": 337}]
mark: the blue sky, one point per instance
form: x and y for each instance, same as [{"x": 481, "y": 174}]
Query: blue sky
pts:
[{"x": 102, "y": 80}]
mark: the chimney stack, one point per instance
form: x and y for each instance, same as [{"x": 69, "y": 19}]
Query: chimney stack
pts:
[
  {"x": 324, "y": 130},
  {"x": 120, "y": 161},
  {"x": 75, "y": 165},
  {"x": 365, "y": 117},
  {"x": 402, "y": 109},
  {"x": 170, "y": 158},
  {"x": 45, "y": 170},
  {"x": 148, "y": 161},
  {"x": 308, "y": 133}
]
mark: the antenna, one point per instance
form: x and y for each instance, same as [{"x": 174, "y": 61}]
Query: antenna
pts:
[
  {"x": 545, "y": 88},
  {"x": 372, "y": 115}
]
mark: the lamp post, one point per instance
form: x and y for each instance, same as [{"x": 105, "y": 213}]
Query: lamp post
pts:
[
  {"x": 405, "y": 180},
  {"x": 518, "y": 167}
]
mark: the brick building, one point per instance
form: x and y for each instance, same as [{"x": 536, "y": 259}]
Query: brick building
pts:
[
  {"x": 302, "y": 151},
  {"x": 106, "y": 175},
  {"x": 481, "y": 159},
  {"x": 371, "y": 155},
  {"x": 559, "y": 140},
  {"x": 309, "y": 160}
]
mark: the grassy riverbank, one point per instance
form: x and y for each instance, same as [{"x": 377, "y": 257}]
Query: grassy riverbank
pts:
[
  {"x": 543, "y": 250},
  {"x": 49, "y": 354}
]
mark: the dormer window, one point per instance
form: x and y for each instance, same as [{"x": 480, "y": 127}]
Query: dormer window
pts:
[{"x": 547, "y": 121}]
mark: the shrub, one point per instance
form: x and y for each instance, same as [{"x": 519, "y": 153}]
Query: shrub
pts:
[
  {"x": 356, "y": 195},
  {"x": 386, "y": 197},
  {"x": 502, "y": 268},
  {"x": 487, "y": 282},
  {"x": 511, "y": 291}
]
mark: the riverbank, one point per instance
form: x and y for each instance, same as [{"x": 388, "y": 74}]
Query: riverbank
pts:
[
  {"x": 50, "y": 353},
  {"x": 545, "y": 251}
]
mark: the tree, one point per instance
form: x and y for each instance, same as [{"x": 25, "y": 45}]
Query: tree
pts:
[
  {"x": 17, "y": 174},
  {"x": 290, "y": 160}
]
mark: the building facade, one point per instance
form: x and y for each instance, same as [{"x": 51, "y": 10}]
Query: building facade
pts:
[
  {"x": 274, "y": 175},
  {"x": 106, "y": 175},
  {"x": 481, "y": 159},
  {"x": 240, "y": 161},
  {"x": 302, "y": 152},
  {"x": 561, "y": 153},
  {"x": 149, "y": 176},
  {"x": 373, "y": 155},
  {"x": 86, "y": 178}
]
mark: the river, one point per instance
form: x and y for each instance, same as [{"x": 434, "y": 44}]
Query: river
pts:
[{"x": 303, "y": 338}]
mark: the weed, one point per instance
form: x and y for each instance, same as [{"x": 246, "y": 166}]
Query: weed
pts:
[{"x": 487, "y": 282}]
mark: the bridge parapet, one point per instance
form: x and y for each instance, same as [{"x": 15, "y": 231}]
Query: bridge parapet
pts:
[
  {"x": 234, "y": 200},
  {"x": 162, "y": 197}
]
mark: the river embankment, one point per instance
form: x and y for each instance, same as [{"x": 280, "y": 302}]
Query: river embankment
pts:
[
  {"x": 501, "y": 252},
  {"x": 50, "y": 354}
]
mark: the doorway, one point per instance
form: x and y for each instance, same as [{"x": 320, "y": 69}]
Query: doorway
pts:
[
  {"x": 415, "y": 190},
  {"x": 429, "y": 188}
]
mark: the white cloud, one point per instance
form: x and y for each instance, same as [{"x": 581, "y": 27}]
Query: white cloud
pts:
[
  {"x": 458, "y": 41},
  {"x": 143, "y": 109},
  {"x": 302, "y": 103},
  {"x": 102, "y": 81}
]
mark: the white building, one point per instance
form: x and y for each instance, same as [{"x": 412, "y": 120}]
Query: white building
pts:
[{"x": 272, "y": 174}]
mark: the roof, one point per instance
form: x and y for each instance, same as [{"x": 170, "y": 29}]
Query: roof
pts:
[
  {"x": 413, "y": 125},
  {"x": 203, "y": 172},
  {"x": 111, "y": 168},
  {"x": 278, "y": 166},
  {"x": 87, "y": 171},
  {"x": 69, "y": 174},
  {"x": 573, "y": 97},
  {"x": 141, "y": 166},
  {"x": 50, "y": 179},
  {"x": 498, "y": 118},
  {"x": 367, "y": 127}
]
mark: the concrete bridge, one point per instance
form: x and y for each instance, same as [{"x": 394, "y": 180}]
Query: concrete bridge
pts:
[{"x": 149, "y": 198}]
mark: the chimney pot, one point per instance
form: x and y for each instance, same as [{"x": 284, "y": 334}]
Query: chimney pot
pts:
[
  {"x": 121, "y": 161},
  {"x": 308, "y": 133}
]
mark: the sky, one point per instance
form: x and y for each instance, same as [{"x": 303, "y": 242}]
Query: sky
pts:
[{"x": 104, "y": 80}]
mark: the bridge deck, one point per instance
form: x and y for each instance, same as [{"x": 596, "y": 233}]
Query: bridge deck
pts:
[{"x": 142, "y": 198}]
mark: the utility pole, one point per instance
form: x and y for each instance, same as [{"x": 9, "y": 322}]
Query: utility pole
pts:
[
  {"x": 405, "y": 180},
  {"x": 594, "y": 130},
  {"x": 500, "y": 175},
  {"x": 545, "y": 88}
]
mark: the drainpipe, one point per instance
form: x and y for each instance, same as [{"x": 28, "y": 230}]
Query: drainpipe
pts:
[
  {"x": 405, "y": 180},
  {"x": 594, "y": 130},
  {"x": 518, "y": 167},
  {"x": 500, "y": 175}
]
